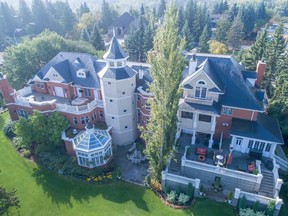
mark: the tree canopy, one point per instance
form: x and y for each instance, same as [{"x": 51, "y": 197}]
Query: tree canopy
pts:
[{"x": 8, "y": 200}]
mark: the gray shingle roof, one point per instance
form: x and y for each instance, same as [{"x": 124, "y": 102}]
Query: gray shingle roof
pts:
[
  {"x": 68, "y": 63},
  {"x": 214, "y": 109},
  {"x": 146, "y": 76},
  {"x": 123, "y": 21},
  {"x": 115, "y": 51},
  {"x": 236, "y": 92},
  {"x": 118, "y": 73},
  {"x": 265, "y": 128}
]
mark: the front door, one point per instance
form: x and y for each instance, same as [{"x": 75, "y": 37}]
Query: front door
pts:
[
  {"x": 59, "y": 91},
  {"x": 238, "y": 143}
]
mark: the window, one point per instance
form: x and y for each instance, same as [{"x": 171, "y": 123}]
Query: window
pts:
[
  {"x": 111, "y": 100},
  {"x": 82, "y": 120},
  {"x": 256, "y": 145},
  {"x": 123, "y": 93},
  {"x": 268, "y": 147},
  {"x": 187, "y": 115},
  {"x": 227, "y": 111},
  {"x": 125, "y": 110},
  {"x": 147, "y": 106},
  {"x": 101, "y": 114},
  {"x": 87, "y": 119},
  {"x": 250, "y": 144},
  {"x": 22, "y": 113},
  {"x": 239, "y": 141},
  {"x": 75, "y": 120},
  {"x": 204, "y": 118},
  {"x": 81, "y": 74},
  {"x": 262, "y": 144},
  {"x": 119, "y": 64},
  {"x": 200, "y": 91},
  {"x": 109, "y": 83},
  {"x": 55, "y": 75},
  {"x": 93, "y": 116},
  {"x": 111, "y": 64},
  {"x": 113, "y": 117},
  {"x": 40, "y": 85},
  {"x": 87, "y": 92},
  {"x": 138, "y": 97},
  {"x": 126, "y": 127}
]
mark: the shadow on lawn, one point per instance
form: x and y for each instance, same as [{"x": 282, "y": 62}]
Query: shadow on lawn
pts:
[{"x": 61, "y": 190}]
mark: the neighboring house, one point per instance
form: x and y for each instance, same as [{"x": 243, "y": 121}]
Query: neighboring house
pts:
[
  {"x": 222, "y": 116},
  {"x": 122, "y": 25},
  {"x": 271, "y": 30},
  {"x": 216, "y": 17}
]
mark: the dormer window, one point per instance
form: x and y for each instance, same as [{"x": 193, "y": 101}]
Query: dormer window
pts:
[
  {"x": 111, "y": 64},
  {"x": 201, "y": 90},
  {"x": 81, "y": 73},
  {"x": 119, "y": 64},
  {"x": 55, "y": 75}
]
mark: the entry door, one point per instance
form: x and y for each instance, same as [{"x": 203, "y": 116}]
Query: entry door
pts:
[
  {"x": 238, "y": 143},
  {"x": 59, "y": 91}
]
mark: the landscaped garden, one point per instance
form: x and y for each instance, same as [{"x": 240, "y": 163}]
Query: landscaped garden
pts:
[{"x": 42, "y": 192}]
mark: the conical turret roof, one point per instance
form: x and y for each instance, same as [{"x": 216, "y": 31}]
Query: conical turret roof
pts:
[{"x": 115, "y": 51}]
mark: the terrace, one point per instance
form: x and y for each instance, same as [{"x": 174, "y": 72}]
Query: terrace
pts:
[{"x": 26, "y": 97}]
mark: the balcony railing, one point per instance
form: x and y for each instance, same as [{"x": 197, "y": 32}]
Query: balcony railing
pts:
[{"x": 79, "y": 109}]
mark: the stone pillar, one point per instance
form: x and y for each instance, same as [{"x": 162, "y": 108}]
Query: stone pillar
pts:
[
  {"x": 211, "y": 140},
  {"x": 278, "y": 206},
  {"x": 183, "y": 159},
  {"x": 258, "y": 182},
  {"x": 197, "y": 187},
  {"x": 193, "y": 140},
  {"x": 236, "y": 197},
  {"x": 279, "y": 183}
]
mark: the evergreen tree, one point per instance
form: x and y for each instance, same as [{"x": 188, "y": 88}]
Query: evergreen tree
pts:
[
  {"x": 8, "y": 22},
  {"x": 148, "y": 39},
  {"x": 181, "y": 19},
  {"x": 222, "y": 28},
  {"x": 96, "y": 39},
  {"x": 142, "y": 10},
  {"x": 24, "y": 13},
  {"x": 107, "y": 16},
  {"x": 185, "y": 33},
  {"x": 204, "y": 39},
  {"x": 273, "y": 54},
  {"x": 167, "y": 64},
  {"x": 235, "y": 34},
  {"x": 256, "y": 52},
  {"x": 8, "y": 200},
  {"x": 40, "y": 16},
  {"x": 161, "y": 9},
  {"x": 260, "y": 11},
  {"x": 247, "y": 15},
  {"x": 191, "y": 7},
  {"x": 84, "y": 35},
  {"x": 232, "y": 13},
  {"x": 83, "y": 9}
]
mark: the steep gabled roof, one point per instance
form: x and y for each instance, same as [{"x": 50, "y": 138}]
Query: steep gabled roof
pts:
[
  {"x": 68, "y": 63},
  {"x": 115, "y": 51},
  {"x": 123, "y": 21}
]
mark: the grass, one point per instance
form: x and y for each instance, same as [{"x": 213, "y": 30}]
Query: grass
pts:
[{"x": 44, "y": 193}]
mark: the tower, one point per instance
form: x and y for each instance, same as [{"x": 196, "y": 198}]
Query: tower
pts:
[{"x": 118, "y": 83}]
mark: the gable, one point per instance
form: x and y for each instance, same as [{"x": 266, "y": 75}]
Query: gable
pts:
[{"x": 53, "y": 75}]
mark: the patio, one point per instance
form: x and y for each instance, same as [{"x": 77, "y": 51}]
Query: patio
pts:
[{"x": 213, "y": 156}]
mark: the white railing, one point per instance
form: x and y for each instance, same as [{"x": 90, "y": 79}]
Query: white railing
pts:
[
  {"x": 277, "y": 182},
  {"x": 79, "y": 109},
  {"x": 178, "y": 179},
  {"x": 256, "y": 197},
  {"x": 283, "y": 163},
  {"x": 25, "y": 91},
  {"x": 221, "y": 170}
]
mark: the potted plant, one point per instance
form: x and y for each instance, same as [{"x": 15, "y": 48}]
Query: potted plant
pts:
[{"x": 230, "y": 197}]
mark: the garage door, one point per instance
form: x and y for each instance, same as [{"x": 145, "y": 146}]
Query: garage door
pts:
[{"x": 59, "y": 91}]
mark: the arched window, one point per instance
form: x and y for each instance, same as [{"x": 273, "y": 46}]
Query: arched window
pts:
[{"x": 201, "y": 90}]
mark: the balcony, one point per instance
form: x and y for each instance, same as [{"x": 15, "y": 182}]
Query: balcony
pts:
[
  {"x": 191, "y": 99},
  {"x": 25, "y": 97}
]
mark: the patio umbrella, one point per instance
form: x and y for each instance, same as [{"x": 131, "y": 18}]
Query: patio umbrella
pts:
[{"x": 229, "y": 160}]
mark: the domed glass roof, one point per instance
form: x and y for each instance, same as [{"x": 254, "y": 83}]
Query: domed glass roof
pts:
[{"x": 91, "y": 139}]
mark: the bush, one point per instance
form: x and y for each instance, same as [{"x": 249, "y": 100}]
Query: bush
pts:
[
  {"x": 166, "y": 190},
  {"x": 26, "y": 153},
  {"x": 270, "y": 208},
  {"x": 256, "y": 206},
  {"x": 183, "y": 199},
  {"x": 8, "y": 129},
  {"x": 190, "y": 190},
  {"x": 230, "y": 195},
  {"x": 178, "y": 190},
  {"x": 242, "y": 203},
  {"x": 171, "y": 197},
  {"x": 250, "y": 212}
]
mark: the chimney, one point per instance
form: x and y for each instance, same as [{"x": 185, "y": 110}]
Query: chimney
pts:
[
  {"x": 192, "y": 64},
  {"x": 6, "y": 90},
  {"x": 260, "y": 70}
]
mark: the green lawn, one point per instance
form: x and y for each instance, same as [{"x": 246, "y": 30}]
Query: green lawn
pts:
[{"x": 44, "y": 193}]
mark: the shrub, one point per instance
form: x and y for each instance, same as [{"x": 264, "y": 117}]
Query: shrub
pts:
[
  {"x": 171, "y": 197},
  {"x": 188, "y": 152},
  {"x": 183, "y": 199},
  {"x": 250, "y": 212},
  {"x": 230, "y": 195},
  {"x": 190, "y": 190},
  {"x": 26, "y": 153},
  {"x": 270, "y": 208},
  {"x": 9, "y": 129},
  {"x": 242, "y": 203},
  {"x": 178, "y": 190},
  {"x": 256, "y": 206},
  {"x": 166, "y": 189}
]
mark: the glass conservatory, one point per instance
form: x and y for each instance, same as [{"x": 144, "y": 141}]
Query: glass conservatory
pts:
[{"x": 93, "y": 147}]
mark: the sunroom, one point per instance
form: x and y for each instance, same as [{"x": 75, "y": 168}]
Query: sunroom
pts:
[{"x": 93, "y": 147}]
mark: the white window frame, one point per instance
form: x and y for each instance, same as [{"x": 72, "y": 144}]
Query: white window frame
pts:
[{"x": 201, "y": 90}]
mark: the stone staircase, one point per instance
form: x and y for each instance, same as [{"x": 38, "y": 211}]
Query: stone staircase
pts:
[
  {"x": 175, "y": 163},
  {"x": 267, "y": 184}
]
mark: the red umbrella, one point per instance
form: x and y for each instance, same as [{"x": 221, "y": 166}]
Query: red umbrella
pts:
[{"x": 229, "y": 160}]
